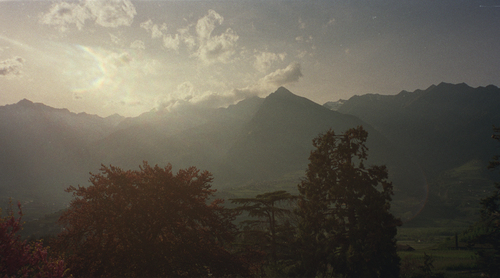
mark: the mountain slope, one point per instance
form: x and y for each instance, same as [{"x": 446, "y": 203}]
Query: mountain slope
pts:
[
  {"x": 44, "y": 149},
  {"x": 442, "y": 127}
]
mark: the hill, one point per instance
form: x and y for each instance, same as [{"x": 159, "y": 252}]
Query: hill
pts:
[
  {"x": 428, "y": 139},
  {"x": 445, "y": 129}
]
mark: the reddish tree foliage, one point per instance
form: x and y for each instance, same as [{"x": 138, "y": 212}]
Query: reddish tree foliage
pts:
[
  {"x": 20, "y": 259},
  {"x": 148, "y": 222}
]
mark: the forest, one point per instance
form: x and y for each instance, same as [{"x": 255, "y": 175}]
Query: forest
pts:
[{"x": 153, "y": 222}]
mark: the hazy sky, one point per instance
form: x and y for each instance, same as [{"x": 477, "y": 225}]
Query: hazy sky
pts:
[{"x": 128, "y": 57}]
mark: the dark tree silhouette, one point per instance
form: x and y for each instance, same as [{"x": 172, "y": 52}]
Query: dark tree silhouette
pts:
[
  {"x": 345, "y": 225},
  {"x": 489, "y": 259},
  {"x": 267, "y": 232},
  {"x": 148, "y": 223}
]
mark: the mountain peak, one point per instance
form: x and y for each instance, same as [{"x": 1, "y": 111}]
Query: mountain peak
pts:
[
  {"x": 25, "y": 102},
  {"x": 444, "y": 85},
  {"x": 282, "y": 92}
]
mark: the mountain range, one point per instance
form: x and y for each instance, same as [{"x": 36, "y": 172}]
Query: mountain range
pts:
[{"x": 424, "y": 137}]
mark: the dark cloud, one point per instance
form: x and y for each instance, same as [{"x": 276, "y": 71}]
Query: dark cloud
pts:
[{"x": 11, "y": 67}]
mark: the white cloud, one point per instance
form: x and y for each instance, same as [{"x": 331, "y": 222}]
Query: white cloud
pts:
[
  {"x": 115, "y": 39},
  {"x": 264, "y": 60},
  {"x": 155, "y": 30},
  {"x": 280, "y": 77},
  {"x": 302, "y": 54},
  {"x": 207, "y": 24},
  {"x": 137, "y": 44},
  {"x": 147, "y": 25},
  {"x": 187, "y": 38},
  {"x": 302, "y": 25},
  {"x": 63, "y": 14},
  {"x": 186, "y": 95},
  {"x": 214, "y": 48},
  {"x": 112, "y": 13},
  {"x": 106, "y": 13},
  {"x": 203, "y": 44},
  {"x": 171, "y": 42},
  {"x": 218, "y": 48},
  {"x": 11, "y": 67}
]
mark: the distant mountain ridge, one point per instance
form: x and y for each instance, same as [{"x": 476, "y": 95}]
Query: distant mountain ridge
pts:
[
  {"x": 451, "y": 123},
  {"x": 258, "y": 140}
]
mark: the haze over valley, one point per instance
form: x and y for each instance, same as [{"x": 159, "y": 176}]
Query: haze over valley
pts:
[{"x": 259, "y": 144}]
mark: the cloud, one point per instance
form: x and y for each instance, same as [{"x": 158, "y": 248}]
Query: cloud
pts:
[
  {"x": 64, "y": 14},
  {"x": 302, "y": 24},
  {"x": 147, "y": 25},
  {"x": 214, "y": 48},
  {"x": 207, "y": 24},
  {"x": 106, "y": 13},
  {"x": 11, "y": 67},
  {"x": 171, "y": 42},
  {"x": 214, "y": 100},
  {"x": 137, "y": 44},
  {"x": 116, "y": 39},
  {"x": 188, "y": 39},
  {"x": 264, "y": 60},
  {"x": 280, "y": 77},
  {"x": 187, "y": 95},
  {"x": 112, "y": 13},
  {"x": 204, "y": 45},
  {"x": 218, "y": 48},
  {"x": 155, "y": 30}
]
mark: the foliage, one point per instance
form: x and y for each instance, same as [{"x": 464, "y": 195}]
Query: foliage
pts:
[
  {"x": 270, "y": 232},
  {"x": 21, "y": 259},
  {"x": 489, "y": 259},
  {"x": 148, "y": 223},
  {"x": 345, "y": 223}
]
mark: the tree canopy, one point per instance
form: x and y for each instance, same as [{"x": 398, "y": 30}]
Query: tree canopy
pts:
[
  {"x": 267, "y": 232},
  {"x": 345, "y": 224},
  {"x": 489, "y": 259},
  {"x": 19, "y": 258},
  {"x": 148, "y": 222}
]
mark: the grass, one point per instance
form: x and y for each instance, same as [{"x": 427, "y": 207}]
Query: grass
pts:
[
  {"x": 439, "y": 243},
  {"x": 451, "y": 263}
]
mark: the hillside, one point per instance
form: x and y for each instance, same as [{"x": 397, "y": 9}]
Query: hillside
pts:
[
  {"x": 445, "y": 129},
  {"x": 259, "y": 144}
]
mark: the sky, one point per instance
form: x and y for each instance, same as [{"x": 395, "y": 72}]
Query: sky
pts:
[{"x": 130, "y": 57}]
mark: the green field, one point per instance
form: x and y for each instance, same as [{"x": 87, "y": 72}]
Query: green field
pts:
[{"x": 439, "y": 244}]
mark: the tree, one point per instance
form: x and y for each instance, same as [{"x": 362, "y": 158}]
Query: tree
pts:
[
  {"x": 345, "y": 225},
  {"x": 266, "y": 232},
  {"x": 489, "y": 259},
  {"x": 148, "y": 223},
  {"x": 21, "y": 259}
]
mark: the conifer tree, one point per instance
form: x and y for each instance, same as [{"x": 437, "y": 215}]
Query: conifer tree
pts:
[
  {"x": 345, "y": 226},
  {"x": 267, "y": 228}
]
